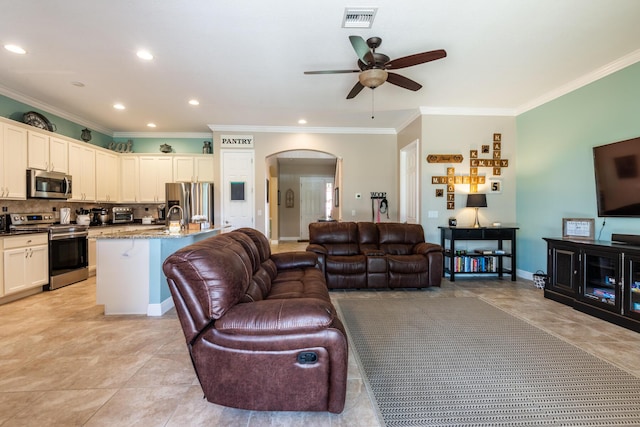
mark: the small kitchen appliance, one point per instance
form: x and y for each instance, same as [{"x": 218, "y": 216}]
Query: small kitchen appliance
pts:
[
  {"x": 48, "y": 185},
  {"x": 121, "y": 215}
]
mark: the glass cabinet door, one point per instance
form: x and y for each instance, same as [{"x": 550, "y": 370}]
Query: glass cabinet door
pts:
[
  {"x": 601, "y": 279},
  {"x": 632, "y": 286}
]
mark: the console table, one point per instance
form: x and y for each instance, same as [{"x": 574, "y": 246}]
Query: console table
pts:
[{"x": 483, "y": 261}]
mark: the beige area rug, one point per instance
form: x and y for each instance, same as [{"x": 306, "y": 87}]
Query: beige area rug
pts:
[{"x": 463, "y": 362}]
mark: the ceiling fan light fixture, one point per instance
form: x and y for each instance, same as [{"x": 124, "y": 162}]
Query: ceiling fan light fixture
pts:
[{"x": 373, "y": 78}]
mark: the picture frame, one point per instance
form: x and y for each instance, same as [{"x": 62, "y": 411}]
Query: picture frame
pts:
[{"x": 578, "y": 228}]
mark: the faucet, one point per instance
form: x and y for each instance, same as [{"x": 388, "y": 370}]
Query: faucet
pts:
[{"x": 181, "y": 214}]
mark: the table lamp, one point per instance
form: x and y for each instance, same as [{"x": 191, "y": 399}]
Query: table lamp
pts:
[{"x": 477, "y": 201}]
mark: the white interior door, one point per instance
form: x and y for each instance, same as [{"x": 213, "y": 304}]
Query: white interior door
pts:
[
  {"x": 313, "y": 201},
  {"x": 409, "y": 184},
  {"x": 237, "y": 191}
]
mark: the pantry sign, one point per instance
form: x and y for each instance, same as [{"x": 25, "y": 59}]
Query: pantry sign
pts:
[{"x": 236, "y": 141}]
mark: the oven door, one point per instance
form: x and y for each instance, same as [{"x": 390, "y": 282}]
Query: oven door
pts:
[{"x": 68, "y": 259}]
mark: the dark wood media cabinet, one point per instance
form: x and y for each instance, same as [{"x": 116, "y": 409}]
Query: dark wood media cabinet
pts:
[
  {"x": 490, "y": 261},
  {"x": 600, "y": 278}
]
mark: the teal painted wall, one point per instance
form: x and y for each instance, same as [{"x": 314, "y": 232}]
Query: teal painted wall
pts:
[
  {"x": 555, "y": 177},
  {"x": 179, "y": 145},
  {"x": 12, "y": 109}
]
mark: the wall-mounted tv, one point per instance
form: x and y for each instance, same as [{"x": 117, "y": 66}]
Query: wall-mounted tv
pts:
[{"x": 617, "y": 171}]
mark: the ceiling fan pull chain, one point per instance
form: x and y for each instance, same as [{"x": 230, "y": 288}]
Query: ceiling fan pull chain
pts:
[{"x": 372, "y": 106}]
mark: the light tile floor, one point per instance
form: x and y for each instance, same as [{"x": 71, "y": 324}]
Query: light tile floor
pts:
[{"x": 63, "y": 363}]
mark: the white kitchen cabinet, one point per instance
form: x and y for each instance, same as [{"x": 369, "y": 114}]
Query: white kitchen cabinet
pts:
[
  {"x": 46, "y": 153},
  {"x": 26, "y": 262},
  {"x": 155, "y": 171},
  {"x": 109, "y": 177},
  {"x": 197, "y": 168},
  {"x": 93, "y": 233},
  {"x": 13, "y": 150},
  {"x": 58, "y": 155},
  {"x": 82, "y": 168},
  {"x": 129, "y": 179}
]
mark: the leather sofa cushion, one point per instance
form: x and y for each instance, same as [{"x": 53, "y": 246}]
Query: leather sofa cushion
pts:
[
  {"x": 399, "y": 239},
  {"x": 271, "y": 317},
  {"x": 354, "y": 264},
  {"x": 338, "y": 238},
  {"x": 408, "y": 263}
]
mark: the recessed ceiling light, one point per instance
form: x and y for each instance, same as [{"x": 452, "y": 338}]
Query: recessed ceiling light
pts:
[
  {"x": 194, "y": 102},
  {"x": 78, "y": 84},
  {"x": 15, "y": 49},
  {"x": 118, "y": 106},
  {"x": 302, "y": 122},
  {"x": 151, "y": 125},
  {"x": 144, "y": 54}
]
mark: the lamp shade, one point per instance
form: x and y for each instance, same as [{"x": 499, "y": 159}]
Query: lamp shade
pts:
[{"x": 477, "y": 201}]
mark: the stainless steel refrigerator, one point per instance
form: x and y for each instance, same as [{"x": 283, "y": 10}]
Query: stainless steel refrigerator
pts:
[{"x": 195, "y": 199}]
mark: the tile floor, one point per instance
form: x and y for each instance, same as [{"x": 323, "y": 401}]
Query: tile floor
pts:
[{"x": 63, "y": 363}]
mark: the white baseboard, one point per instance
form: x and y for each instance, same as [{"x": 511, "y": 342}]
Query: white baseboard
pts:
[
  {"x": 160, "y": 309},
  {"x": 290, "y": 239}
]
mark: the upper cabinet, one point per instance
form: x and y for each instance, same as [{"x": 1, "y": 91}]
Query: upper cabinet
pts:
[
  {"x": 13, "y": 150},
  {"x": 82, "y": 168},
  {"x": 155, "y": 171},
  {"x": 197, "y": 168},
  {"x": 46, "y": 153},
  {"x": 129, "y": 178},
  {"x": 107, "y": 176}
]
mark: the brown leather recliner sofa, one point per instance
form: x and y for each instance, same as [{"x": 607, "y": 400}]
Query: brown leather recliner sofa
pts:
[
  {"x": 260, "y": 327},
  {"x": 375, "y": 255}
]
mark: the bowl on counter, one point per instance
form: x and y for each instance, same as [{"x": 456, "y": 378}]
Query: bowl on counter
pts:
[{"x": 83, "y": 219}]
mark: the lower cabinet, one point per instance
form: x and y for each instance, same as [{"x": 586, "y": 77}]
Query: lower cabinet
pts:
[
  {"x": 26, "y": 262},
  {"x": 596, "y": 277}
]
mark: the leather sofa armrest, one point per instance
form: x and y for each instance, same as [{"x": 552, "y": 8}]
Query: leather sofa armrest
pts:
[
  {"x": 425, "y": 248},
  {"x": 299, "y": 259},
  {"x": 319, "y": 249},
  {"x": 277, "y": 316}
]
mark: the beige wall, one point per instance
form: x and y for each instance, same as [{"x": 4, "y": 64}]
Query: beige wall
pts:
[
  {"x": 369, "y": 165},
  {"x": 459, "y": 135}
]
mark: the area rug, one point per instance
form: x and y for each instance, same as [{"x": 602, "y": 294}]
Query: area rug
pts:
[{"x": 463, "y": 362}]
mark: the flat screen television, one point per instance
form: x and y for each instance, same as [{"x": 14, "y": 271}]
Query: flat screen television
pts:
[{"x": 617, "y": 171}]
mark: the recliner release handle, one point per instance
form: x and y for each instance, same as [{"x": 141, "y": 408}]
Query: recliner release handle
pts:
[{"x": 307, "y": 357}]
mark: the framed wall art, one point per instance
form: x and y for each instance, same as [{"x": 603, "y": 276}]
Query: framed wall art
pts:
[{"x": 578, "y": 228}]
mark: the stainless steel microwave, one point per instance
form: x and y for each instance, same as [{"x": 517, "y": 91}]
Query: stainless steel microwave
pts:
[{"x": 48, "y": 185}]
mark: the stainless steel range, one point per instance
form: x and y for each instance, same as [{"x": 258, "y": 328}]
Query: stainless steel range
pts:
[{"x": 68, "y": 246}]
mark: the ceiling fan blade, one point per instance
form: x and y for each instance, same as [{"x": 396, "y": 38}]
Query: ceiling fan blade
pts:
[
  {"x": 398, "y": 80},
  {"x": 332, "y": 71},
  {"x": 418, "y": 58},
  {"x": 362, "y": 49},
  {"x": 355, "y": 90}
]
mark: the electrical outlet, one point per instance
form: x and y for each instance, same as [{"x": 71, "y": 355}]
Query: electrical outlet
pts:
[
  {"x": 353, "y": 212},
  {"x": 5, "y": 209}
]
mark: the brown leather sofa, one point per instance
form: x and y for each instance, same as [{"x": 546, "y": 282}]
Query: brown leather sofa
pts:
[
  {"x": 375, "y": 255},
  {"x": 260, "y": 327}
]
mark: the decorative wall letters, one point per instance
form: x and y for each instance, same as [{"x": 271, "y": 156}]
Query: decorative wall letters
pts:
[{"x": 473, "y": 179}]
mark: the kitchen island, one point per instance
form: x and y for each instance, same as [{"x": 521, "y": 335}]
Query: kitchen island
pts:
[{"x": 129, "y": 277}]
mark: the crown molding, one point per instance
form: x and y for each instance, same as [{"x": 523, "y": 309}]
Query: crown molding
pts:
[
  {"x": 169, "y": 135},
  {"x": 302, "y": 129},
  {"x": 463, "y": 111},
  {"x": 595, "y": 75},
  {"x": 32, "y": 102}
]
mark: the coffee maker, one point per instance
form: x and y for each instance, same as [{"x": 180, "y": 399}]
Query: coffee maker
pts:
[
  {"x": 99, "y": 216},
  {"x": 162, "y": 212}
]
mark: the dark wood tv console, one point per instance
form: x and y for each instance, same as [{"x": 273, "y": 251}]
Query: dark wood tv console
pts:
[{"x": 600, "y": 278}]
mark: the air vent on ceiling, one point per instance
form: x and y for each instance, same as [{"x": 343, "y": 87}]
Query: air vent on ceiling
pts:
[{"x": 358, "y": 17}]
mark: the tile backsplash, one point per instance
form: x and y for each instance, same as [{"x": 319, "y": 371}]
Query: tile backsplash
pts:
[{"x": 41, "y": 205}]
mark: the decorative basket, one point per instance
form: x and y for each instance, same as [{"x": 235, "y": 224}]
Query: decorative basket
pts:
[{"x": 540, "y": 279}]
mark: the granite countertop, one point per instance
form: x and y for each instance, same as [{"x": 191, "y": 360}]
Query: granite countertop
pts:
[{"x": 156, "y": 234}]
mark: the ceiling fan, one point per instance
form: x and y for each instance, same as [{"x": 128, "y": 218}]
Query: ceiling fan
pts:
[{"x": 373, "y": 66}]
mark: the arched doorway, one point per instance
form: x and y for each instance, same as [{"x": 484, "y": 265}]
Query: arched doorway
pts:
[{"x": 301, "y": 186}]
